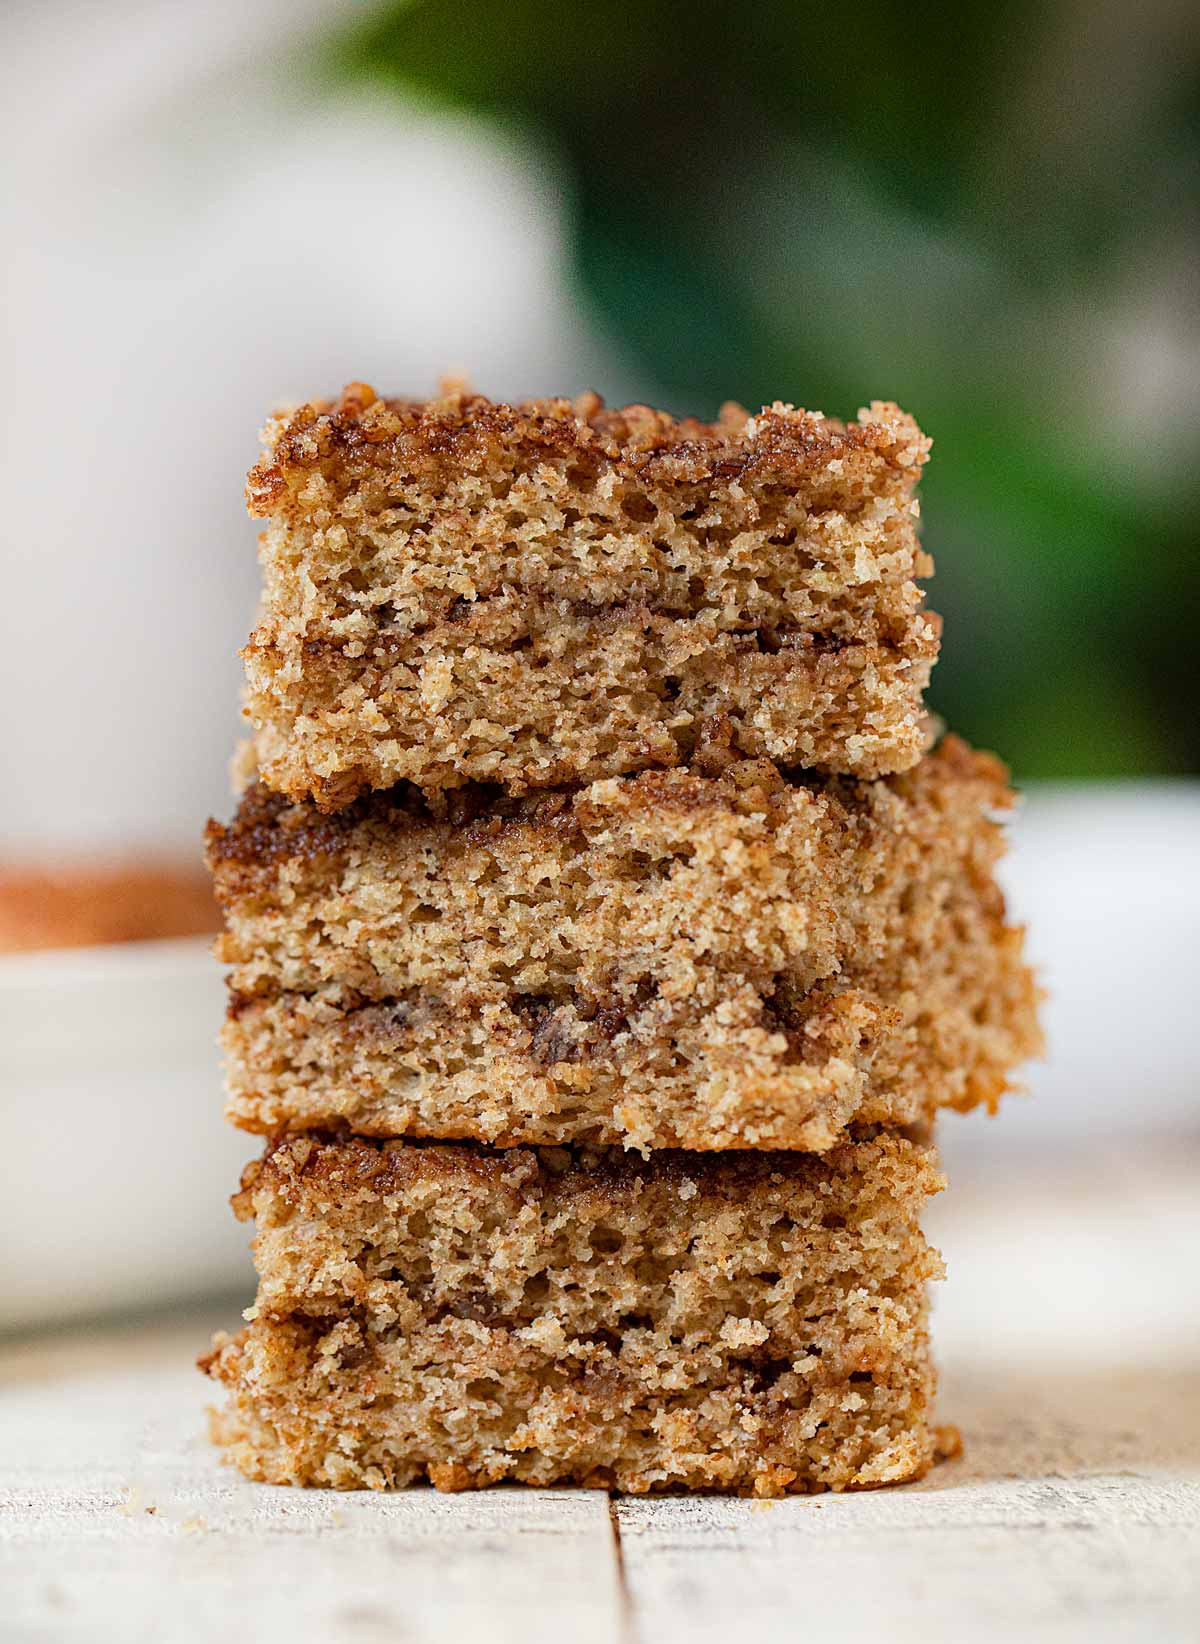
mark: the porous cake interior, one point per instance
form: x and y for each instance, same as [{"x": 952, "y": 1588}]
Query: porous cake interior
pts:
[
  {"x": 753, "y": 1323},
  {"x": 553, "y": 593},
  {"x": 722, "y": 961}
]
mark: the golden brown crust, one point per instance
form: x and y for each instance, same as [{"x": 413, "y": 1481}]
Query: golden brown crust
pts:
[
  {"x": 269, "y": 829},
  {"x": 323, "y": 1172},
  {"x": 462, "y": 431}
]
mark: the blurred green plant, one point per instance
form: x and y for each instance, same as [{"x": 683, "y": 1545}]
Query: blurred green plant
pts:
[{"x": 960, "y": 208}]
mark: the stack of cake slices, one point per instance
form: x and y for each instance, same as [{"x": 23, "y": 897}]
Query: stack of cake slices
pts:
[{"x": 607, "y": 927}]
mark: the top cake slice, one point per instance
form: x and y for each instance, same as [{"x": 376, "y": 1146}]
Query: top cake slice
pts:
[{"x": 553, "y": 593}]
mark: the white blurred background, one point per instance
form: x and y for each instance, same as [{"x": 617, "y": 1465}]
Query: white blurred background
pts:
[{"x": 195, "y": 231}]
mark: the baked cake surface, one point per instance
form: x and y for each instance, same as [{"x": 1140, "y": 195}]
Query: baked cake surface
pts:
[
  {"x": 731, "y": 960},
  {"x": 751, "y": 1322},
  {"x": 550, "y": 593}
]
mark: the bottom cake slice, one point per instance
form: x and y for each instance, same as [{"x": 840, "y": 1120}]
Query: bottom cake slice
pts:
[{"x": 753, "y": 1323}]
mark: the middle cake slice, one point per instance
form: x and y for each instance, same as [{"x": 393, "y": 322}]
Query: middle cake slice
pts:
[{"x": 732, "y": 960}]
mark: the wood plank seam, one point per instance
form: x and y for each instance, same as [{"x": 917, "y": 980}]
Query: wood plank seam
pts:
[{"x": 629, "y": 1631}]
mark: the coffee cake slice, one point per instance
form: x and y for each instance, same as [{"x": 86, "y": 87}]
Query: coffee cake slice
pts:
[
  {"x": 666, "y": 960},
  {"x": 550, "y": 593},
  {"x": 751, "y": 1323}
]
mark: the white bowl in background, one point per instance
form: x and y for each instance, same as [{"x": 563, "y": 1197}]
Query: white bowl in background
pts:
[
  {"x": 117, "y": 1165},
  {"x": 1106, "y": 876}
]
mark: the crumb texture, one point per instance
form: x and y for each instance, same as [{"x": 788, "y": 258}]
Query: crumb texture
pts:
[
  {"x": 724, "y": 961},
  {"x": 753, "y": 1323},
  {"x": 553, "y": 593}
]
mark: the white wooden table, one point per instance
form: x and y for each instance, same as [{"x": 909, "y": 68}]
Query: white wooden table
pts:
[{"x": 1069, "y": 1333}]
